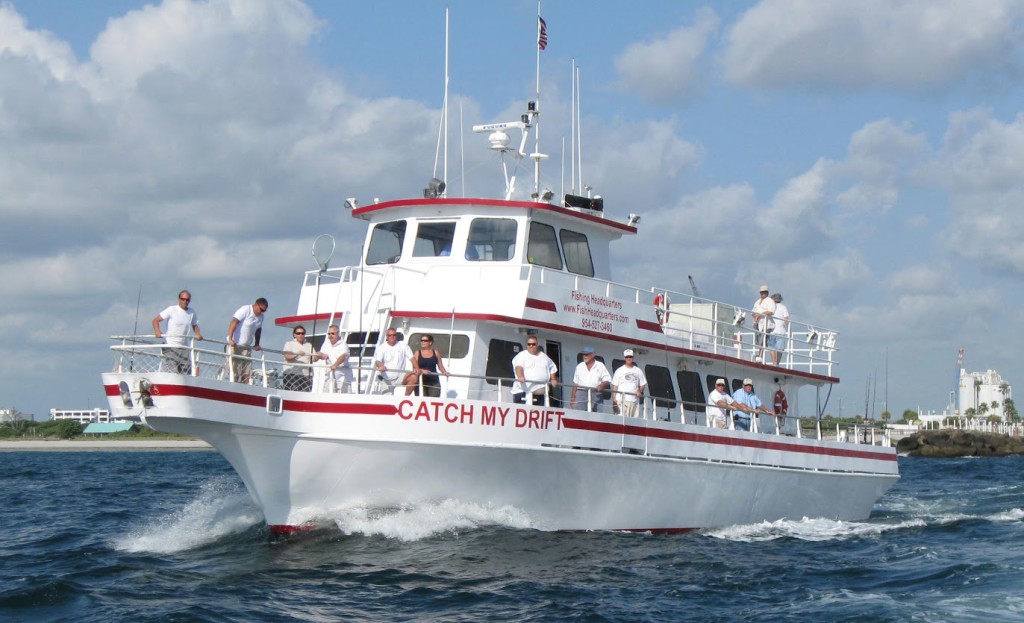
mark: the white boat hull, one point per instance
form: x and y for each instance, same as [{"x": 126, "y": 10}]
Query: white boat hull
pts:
[{"x": 566, "y": 470}]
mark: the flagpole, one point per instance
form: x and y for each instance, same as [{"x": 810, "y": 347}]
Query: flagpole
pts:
[{"x": 536, "y": 130}]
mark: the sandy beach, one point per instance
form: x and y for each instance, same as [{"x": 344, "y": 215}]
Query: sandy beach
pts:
[{"x": 97, "y": 444}]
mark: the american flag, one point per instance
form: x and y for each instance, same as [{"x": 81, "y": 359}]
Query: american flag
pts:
[{"x": 542, "y": 33}]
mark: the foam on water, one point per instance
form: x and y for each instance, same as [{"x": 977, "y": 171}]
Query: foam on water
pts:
[
  {"x": 222, "y": 508},
  {"x": 420, "y": 521},
  {"x": 810, "y": 529}
]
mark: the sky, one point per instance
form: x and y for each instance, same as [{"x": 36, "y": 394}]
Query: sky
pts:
[{"x": 865, "y": 159}]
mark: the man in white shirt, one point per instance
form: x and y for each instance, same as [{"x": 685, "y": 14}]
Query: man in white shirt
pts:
[
  {"x": 628, "y": 386},
  {"x": 334, "y": 352},
  {"x": 180, "y": 318},
  {"x": 764, "y": 309},
  {"x": 244, "y": 333},
  {"x": 778, "y": 341},
  {"x": 392, "y": 360},
  {"x": 534, "y": 370},
  {"x": 719, "y": 401},
  {"x": 589, "y": 382}
]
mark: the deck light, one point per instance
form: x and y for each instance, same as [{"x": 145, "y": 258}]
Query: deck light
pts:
[
  {"x": 434, "y": 189},
  {"x": 126, "y": 394},
  {"x": 145, "y": 397}
]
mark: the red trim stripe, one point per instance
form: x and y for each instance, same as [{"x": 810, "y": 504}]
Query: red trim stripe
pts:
[
  {"x": 568, "y": 422},
  {"x": 364, "y": 211},
  {"x": 284, "y": 321},
  {"x": 657, "y": 433},
  {"x": 541, "y": 304},
  {"x": 305, "y": 406},
  {"x": 647, "y": 325}
]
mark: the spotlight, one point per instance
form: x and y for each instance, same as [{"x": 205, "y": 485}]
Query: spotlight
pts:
[
  {"x": 351, "y": 203},
  {"x": 434, "y": 189},
  {"x": 126, "y": 394},
  {"x": 547, "y": 195},
  {"x": 145, "y": 393},
  {"x": 813, "y": 335},
  {"x": 739, "y": 318},
  {"x": 633, "y": 220}
]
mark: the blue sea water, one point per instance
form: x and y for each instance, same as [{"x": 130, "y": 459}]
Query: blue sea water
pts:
[{"x": 173, "y": 536}]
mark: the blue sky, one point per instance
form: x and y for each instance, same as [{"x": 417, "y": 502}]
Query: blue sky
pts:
[{"x": 863, "y": 158}]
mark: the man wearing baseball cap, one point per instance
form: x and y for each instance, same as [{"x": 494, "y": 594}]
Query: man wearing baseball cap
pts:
[
  {"x": 745, "y": 396},
  {"x": 589, "y": 382},
  {"x": 764, "y": 309},
  {"x": 719, "y": 401},
  {"x": 628, "y": 386}
]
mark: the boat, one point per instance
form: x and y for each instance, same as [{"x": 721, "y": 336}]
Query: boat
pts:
[{"x": 482, "y": 276}]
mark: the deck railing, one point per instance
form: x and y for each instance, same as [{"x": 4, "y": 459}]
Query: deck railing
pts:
[
  {"x": 208, "y": 359},
  {"x": 686, "y": 320}
]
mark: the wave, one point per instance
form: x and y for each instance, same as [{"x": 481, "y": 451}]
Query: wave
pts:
[
  {"x": 830, "y": 529},
  {"x": 425, "y": 520},
  {"x": 222, "y": 508}
]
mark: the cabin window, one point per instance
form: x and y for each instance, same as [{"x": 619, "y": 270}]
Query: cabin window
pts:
[
  {"x": 433, "y": 239},
  {"x": 491, "y": 240},
  {"x": 577, "y": 253},
  {"x": 659, "y": 385},
  {"x": 693, "y": 395},
  {"x": 499, "y": 361},
  {"x": 459, "y": 344},
  {"x": 543, "y": 247},
  {"x": 386, "y": 242}
]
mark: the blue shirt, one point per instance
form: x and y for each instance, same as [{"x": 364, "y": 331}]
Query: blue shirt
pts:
[{"x": 749, "y": 399}]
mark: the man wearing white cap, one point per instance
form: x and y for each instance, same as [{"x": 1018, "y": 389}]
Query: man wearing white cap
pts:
[
  {"x": 628, "y": 386},
  {"x": 719, "y": 401},
  {"x": 589, "y": 382},
  {"x": 764, "y": 309},
  {"x": 746, "y": 397}
]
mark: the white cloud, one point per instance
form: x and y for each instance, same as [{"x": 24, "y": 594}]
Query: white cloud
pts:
[
  {"x": 665, "y": 70},
  {"x": 980, "y": 165},
  {"x": 873, "y": 43},
  {"x": 879, "y": 159}
]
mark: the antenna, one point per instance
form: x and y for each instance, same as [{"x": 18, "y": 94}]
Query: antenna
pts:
[{"x": 442, "y": 128}]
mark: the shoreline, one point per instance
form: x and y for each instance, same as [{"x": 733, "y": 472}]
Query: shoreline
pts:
[{"x": 65, "y": 445}]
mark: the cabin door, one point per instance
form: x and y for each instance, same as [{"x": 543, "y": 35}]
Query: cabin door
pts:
[{"x": 554, "y": 350}]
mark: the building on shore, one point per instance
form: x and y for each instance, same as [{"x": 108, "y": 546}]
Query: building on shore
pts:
[
  {"x": 983, "y": 394},
  {"x": 82, "y": 416}
]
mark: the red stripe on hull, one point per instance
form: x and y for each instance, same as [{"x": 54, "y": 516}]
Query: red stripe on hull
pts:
[
  {"x": 640, "y": 431},
  {"x": 570, "y": 423}
]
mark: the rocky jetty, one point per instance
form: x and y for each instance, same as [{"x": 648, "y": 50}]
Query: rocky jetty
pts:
[{"x": 953, "y": 443}]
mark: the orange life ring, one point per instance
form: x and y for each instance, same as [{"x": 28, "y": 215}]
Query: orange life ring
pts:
[
  {"x": 781, "y": 404},
  {"x": 660, "y": 300}
]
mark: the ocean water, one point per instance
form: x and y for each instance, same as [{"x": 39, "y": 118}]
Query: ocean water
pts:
[{"x": 173, "y": 536}]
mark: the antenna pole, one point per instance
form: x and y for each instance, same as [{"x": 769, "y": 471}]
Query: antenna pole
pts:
[
  {"x": 536, "y": 119},
  {"x": 445, "y": 177},
  {"x": 572, "y": 130}
]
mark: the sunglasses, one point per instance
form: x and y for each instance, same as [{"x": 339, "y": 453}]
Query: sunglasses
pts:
[{"x": 181, "y": 298}]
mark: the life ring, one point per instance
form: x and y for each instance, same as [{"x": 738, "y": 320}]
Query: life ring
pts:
[
  {"x": 781, "y": 404},
  {"x": 661, "y": 307}
]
